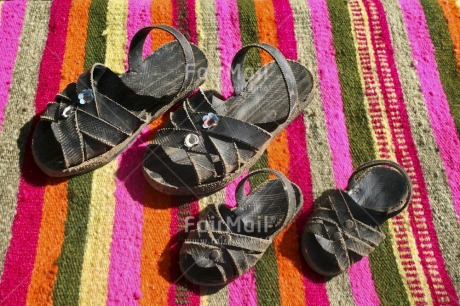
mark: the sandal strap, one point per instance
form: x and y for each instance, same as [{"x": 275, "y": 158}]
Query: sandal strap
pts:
[
  {"x": 340, "y": 233},
  {"x": 137, "y": 44},
  {"x": 219, "y": 150},
  {"x": 238, "y": 76},
  {"x": 374, "y": 163},
  {"x": 292, "y": 207},
  {"x": 234, "y": 253},
  {"x": 85, "y": 131}
]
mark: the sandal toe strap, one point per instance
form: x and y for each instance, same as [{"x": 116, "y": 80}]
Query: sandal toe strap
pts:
[
  {"x": 228, "y": 251},
  {"x": 340, "y": 233},
  {"x": 85, "y": 121},
  {"x": 215, "y": 145}
]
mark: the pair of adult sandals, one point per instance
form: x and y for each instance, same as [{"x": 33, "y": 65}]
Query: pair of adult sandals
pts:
[
  {"x": 207, "y": 142},
  {"x": 344, "y": 226}
]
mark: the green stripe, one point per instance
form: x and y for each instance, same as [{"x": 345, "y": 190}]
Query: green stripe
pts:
[
  {"x": 266, "y": 270},
  {"x": 70, "y": 261},
  {"x": 382, "y": 261},
  {"x": 445, "y": 56}
]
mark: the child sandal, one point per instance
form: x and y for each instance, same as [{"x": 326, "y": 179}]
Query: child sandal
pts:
[
  {"x": 209, "y": 142},
  {"x": 97, "y": 117},
  {"x": 344, "y": 226},
  {"x": 228, "y": 242}
]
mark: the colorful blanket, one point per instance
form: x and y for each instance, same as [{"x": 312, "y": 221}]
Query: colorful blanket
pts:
[{"x": 387, "y": 86}]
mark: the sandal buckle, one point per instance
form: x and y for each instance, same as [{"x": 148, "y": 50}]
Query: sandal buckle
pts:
[
  {"x": 86, "y": 96},
  {"x": 210, "y": 120},
  {"x": 65, "y": 112}
]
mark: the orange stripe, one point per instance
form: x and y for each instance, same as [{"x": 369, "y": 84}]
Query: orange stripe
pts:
[
  {"x": 155, "y": 258},
  {"x": 162, "y": 13},
  {"x": 287, "y": 242},
  {"x": 452, "y": 14},
  {"x": 266, "y": 25},
  {"x": 51, "y": 235}
]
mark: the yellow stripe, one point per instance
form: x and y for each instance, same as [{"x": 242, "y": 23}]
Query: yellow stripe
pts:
[
  {"x": 208, "y": 41},
  {"x": 93, "y": 287},
  {"x": 1, "y": 5},
  {"x": 386, "y": 143}
]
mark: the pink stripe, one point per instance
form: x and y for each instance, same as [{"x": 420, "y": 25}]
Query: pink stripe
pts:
[
  {"x": 435, "y": 98},
  {"x": 124, "y": 281},
  {"x": 382, "y": 38},
  {"x": 10, "y": 31},
  {"x": 229, "y": 40},
  {"x": 299, "y": 173},
  {"x": 299, "y": 167},
  {"x": 20, "y": 256},
  {"x": 242, "y": 290},
  {"x": 360, "y": 274},
  {"x": 330, "y": 92}
]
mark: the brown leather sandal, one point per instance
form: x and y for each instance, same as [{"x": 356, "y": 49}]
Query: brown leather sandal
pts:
[
  {"x": 97, "y": 117},
  {"x": 229, "y": 242},
  {"x": 209, "y": 142},
  {"x": 345, "y": 224}
]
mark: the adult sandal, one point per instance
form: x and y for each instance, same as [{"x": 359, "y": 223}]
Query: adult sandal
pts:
[
  {"x": 97, "y": 117},
  {"x": 344, "y": 226},
  {"x": 209, "y": 142},
  {"x": 228, "y": 242}
]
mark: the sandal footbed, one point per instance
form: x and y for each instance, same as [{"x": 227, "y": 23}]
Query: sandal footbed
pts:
[
  {"x": 377, "y": 191},
  {"x": 264, "y": 101},
  {"x": 163, "y": 81},
  {"x": 201, "y": 270}
]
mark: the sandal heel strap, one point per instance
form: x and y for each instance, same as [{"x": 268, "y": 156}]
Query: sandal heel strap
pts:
[
  {"x": 239, "y": 82},
  {"x": 137, "y": 45}
]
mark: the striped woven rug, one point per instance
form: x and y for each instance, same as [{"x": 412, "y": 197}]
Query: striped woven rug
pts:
[{"x": 387, "y": 87}]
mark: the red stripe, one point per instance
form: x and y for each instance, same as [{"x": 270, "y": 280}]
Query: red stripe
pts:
[
  {"x": 299, "y": 168},
  {"x": 406, "y": 154},
  {"x": 20, "y": 257}
]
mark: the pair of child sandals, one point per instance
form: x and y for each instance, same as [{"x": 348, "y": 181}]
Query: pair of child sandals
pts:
[
  {"x": 343, "y": 228},
  {"x": 207, "y": 143}
]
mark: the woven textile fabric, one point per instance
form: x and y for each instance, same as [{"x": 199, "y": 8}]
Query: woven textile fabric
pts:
[{"x": 387, "y": 87}]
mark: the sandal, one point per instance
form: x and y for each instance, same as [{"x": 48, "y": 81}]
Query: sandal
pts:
[
  {"x": 344, "y": 226},
  {"x": 209, "y": 142},
  {"x": 228, "y": 242},
  {"x": 97, "y": 117}
]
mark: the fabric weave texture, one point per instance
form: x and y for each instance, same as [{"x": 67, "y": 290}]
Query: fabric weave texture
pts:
[{"x": 387, "y": 81}]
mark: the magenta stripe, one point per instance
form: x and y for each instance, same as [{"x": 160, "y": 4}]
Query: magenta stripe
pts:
[
  {"x": 20, "y": 256},
  {"x": 124, "y": 280},
  {"x": 11, "y": 22},
  {"x": 229, "y": 40},
  {"x": 242, "y": 290},
  {"x": 436, "y": 102},
  {"x": 300, "y": 174},
  {"x": 191, "y": 21},
  {"x": 299, "y": 163},
  {"x": 360, "y": 274},
  {"x": 330, "y": 92},
  {"x": 381, "y": 40}
]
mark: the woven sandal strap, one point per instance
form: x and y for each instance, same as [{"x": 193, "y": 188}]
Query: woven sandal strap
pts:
[
  {"x": 240, "y": 194},
  {"x": 238, "y": 79},
  {"x": 352, "y": 180},
  {"x": 137, "y": 45}
]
